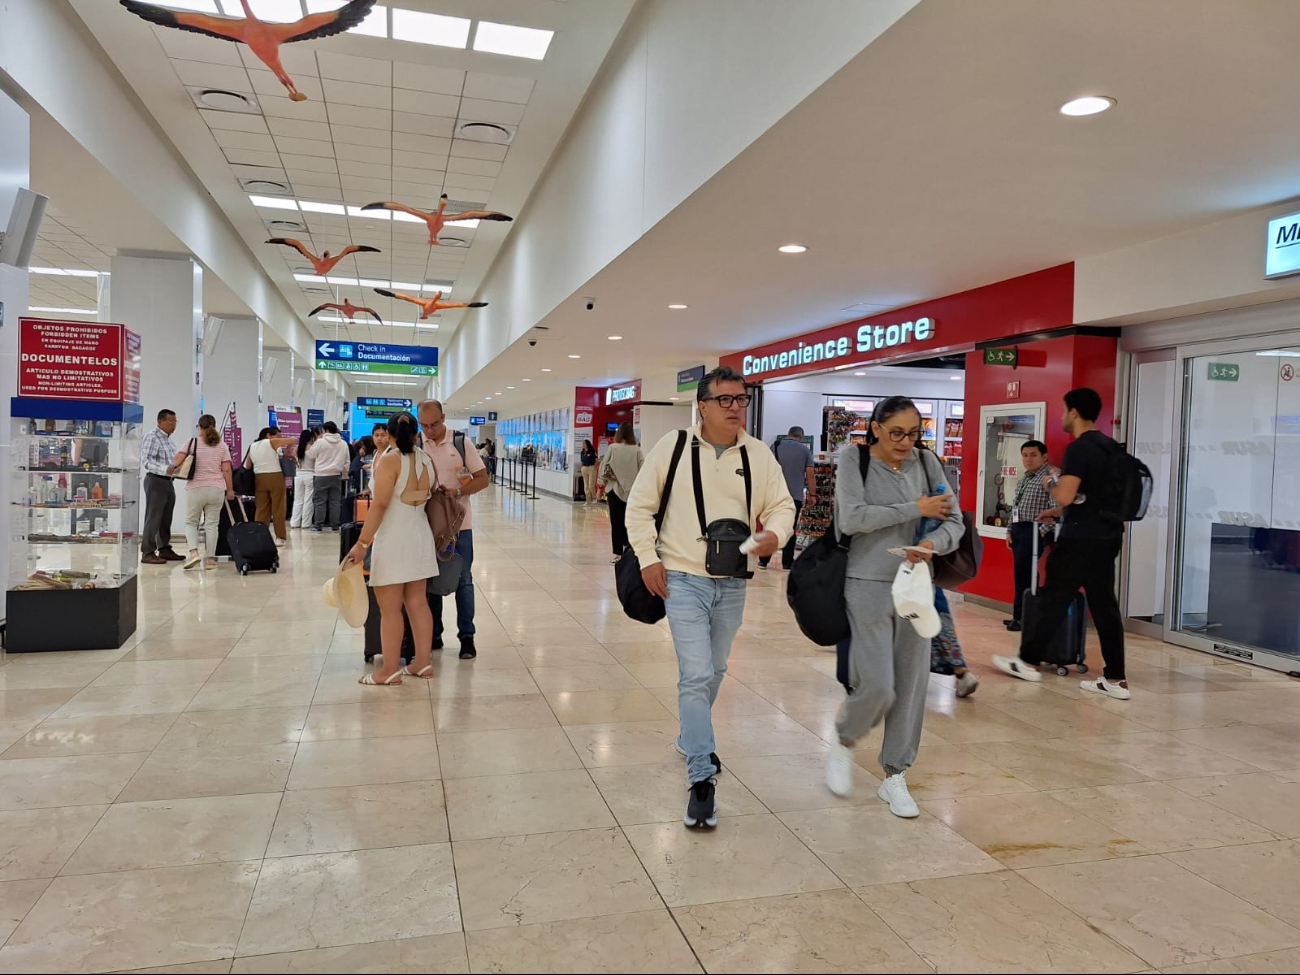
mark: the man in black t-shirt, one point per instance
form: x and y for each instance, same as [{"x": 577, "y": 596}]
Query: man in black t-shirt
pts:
[{"x": 1085, "y": 554}]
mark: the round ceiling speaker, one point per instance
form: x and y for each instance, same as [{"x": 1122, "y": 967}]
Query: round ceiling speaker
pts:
[
  {"x": 286, "y": 225},
  {"x": 266, "y": 186},
  {"x": 486, "y": 132},
  {"x": 225, "y": 101},
  {"x": 446, "y": 241}
]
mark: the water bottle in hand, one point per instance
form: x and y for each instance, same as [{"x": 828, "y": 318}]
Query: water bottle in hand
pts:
[{"x": 930, "y": 524}]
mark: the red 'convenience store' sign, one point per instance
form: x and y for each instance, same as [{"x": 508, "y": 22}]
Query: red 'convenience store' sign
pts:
[{"x": 93, "y": 361}]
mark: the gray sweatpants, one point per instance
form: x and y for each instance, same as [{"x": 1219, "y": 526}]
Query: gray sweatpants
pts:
[{"x": 889, "y": 668}]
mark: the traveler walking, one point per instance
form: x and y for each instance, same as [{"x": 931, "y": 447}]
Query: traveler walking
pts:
[
  {"x": 946, "y": 657},
  {"x": 331, "y": 457},
  {"x": 588, "y": 460},
  {"x": 1033, "y": 501},
  {"x": 623, "y": 462},
  {"x": 461, "y": 473},
  {"x": 405, "y": 556},
  {"x": 1084, "y": 555},
  {"x": 264, "y": 460},
  {"x": 206, "y": 490},
  {"x": 156, "y": 453},
  {"x": 889, "y": 661},
  {"x": 303, "y": 481},
  {"x": 693, "y": 559},
  {"x": 796, "y": 462}
]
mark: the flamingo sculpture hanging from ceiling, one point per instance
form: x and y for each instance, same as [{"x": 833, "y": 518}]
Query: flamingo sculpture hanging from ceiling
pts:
[
  {"x": 439, "y": 218},
  {"x": 348, "y": 310},
  {"x": 430, "y": 305},
  {"x": 325, "y": 263},
  {"x": 263, "y": 39}
]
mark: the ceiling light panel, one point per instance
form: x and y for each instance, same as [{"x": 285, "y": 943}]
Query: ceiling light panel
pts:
[
  {"x": 423, "y": 28},
  {"x": 518, "y": 42},
  {"x": 279, "y": 11},
  {"x": 375, "y": 24}
]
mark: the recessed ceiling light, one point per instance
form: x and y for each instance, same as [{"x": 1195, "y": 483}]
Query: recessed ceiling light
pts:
[
  {"x": 308, "y": 206},
  {"x": 517, "y": 42},
  {"x": 375, "y": 24},
  {"x": 956, "y": 379},
  {"x": 674, "y": 397},
  {"x": 527, "y": 380},
  {"x": 678, "y": 307},
  {"x": 1087, "y": 105},
  {"x": 546, "y": 370},
  {"x": 616, "y": 338},
  {"x": 792, "y": 248},
  {"x": 859, "y": 374},
  {"x": 71, "y": 272},
  {"x": 492, "y": 132},
  {"x": 423, "y": 28},
  {"x": 575, "y": 357},
  {"x": 509, "y": 387},
  {"x": 199, "y": 6},
  {"x": 273, "y": 202},
  {"x": 67, "y": 311},
  {"x": 276, "y": 11},
  {"x": 487, "y": 397}
]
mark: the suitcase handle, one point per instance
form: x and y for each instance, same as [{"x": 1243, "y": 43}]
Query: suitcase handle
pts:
[
  {"x": 231, "y": 515},
  {"x": 1033, "y": 579}
]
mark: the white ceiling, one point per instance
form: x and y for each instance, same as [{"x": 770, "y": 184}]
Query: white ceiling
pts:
[
  {"x": 382, "y": 122},
  {"x": 936, "y": 161}
]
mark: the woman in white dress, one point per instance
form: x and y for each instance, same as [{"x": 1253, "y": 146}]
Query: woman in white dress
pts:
[{"x": 405, "y": 556}]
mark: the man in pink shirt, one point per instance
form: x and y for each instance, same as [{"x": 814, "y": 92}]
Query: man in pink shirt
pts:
[{"x": 461, "y": 472}]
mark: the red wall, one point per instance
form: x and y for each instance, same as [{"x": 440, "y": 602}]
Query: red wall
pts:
[
  {"x": 1071, "y": 361},
  {"x": 593, "y": 397}
]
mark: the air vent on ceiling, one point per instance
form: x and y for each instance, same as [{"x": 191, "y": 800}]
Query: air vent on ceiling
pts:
[
  {"x": 266, "y": 187},
  {"x": 279, "y": 225},
  {"x": 317, "y": 291},
  {"x": 224, "y": 100},
  {"x": 486, "y": 132},
  {"x": 447, "y": 241}
]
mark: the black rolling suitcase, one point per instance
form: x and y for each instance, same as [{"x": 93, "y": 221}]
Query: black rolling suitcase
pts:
[
  {"x": 224, "y": 522},
  {"x": 252, "y": 548},
  {"x": 1069, "y": 645}
]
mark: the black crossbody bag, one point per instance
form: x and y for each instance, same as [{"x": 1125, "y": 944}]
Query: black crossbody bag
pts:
[{"x": 724, "y": 536}]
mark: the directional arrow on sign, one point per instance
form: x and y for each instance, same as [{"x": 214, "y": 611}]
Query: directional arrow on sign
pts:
[{"x": 326, "y": 349}]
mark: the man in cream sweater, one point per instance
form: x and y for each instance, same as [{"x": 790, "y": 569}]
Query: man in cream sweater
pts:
[{"x": 705, "y": 611}]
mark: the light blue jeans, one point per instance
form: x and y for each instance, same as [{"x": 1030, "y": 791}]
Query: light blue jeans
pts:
[{"x": 704, "y": 615}]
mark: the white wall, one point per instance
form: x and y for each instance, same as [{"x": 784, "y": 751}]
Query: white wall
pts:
[
  {"x": 15, "y": 153},
  {"x": 684, "y": 90},
  {"x": 659, "y": 421},
  {"x": 230, "y": 372}
]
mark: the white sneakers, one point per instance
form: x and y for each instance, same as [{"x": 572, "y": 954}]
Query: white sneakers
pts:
[
  {"x": 839, "y": 769},
  {"x": 894, "y": 791},
  {"x": 1016, "y": 668},
  {"x": 1116, "y": 689},
  {"x": 966, "y": 684}
]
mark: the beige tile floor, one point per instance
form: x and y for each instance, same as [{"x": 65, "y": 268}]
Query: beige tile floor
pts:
[{"x": 221, "y": 796}]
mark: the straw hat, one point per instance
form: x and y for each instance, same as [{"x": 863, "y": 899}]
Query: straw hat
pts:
[{"x": 346, "y": 592}]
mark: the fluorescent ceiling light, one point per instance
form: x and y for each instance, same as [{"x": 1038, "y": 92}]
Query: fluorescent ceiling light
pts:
[
  {"x": 1088, "y": 105},
  {"x": 370, "y": 214},
  {"x": 375, "y": 24},
  {"x": 309, "y": 206},
  {"x": 546, "y": 370},
  {"x": 72, "y": 272},
  {"x": 509, "y": 387},
  {"x": 422, "y": 28},
  {"x": 199, "y": 6},
  {"x": 792, "y": 248},
  {"x": 279, "y": 11},
  {"x": 374, "y": 283},
  {"x": 400, "y": 215},
  {"x": 615, "y": 338},
  {"x": 68, "y": 311},
  {"x": 678, "y": 307},
  {"x": 313, "y": 278},
  {"x": 956, "y": 379},
  {"x": 527, "y": 380},
  {"x": 575, "y": 357},
  {"x": 342, "y": 281},
  {"x": 471, "y": 224},
  {"x": 386, "y": 382},
  {"x": 859, "y": 374},
  {"x": 273, "y": 202},
  {"x": 517, "y": 42}
]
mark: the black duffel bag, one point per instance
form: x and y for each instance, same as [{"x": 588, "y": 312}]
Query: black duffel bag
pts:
[{"x": 638, "y": 602}]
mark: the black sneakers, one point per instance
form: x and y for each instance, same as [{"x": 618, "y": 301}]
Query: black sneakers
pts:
[
  {"x": 702, "y": 807},
  {"x": 467, "y": 649}
]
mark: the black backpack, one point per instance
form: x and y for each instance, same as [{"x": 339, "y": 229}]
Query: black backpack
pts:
[
  {"x": 815, "y": 587},
  {"x": 1128, "y": 486}
]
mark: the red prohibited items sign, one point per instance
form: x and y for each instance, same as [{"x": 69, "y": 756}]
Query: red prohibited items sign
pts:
[{"x": 93, "y": 361}]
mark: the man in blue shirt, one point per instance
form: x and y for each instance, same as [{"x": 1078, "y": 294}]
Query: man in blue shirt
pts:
[
  {"x": 796, "y": 462},
  {"x": 156, "y": 455}
]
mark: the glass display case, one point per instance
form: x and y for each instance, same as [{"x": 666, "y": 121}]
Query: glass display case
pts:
[
  {"x": 74, "y": 519},
  {"x": 1003, "y": 429}
]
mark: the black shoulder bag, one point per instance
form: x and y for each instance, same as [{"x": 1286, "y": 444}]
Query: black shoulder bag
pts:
[
  {"x": 724, "y": 536},
  {"x": 638, "y": 602}
]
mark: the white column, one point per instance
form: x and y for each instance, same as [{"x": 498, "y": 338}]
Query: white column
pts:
[
  {"x": 15, "y": 153},
  {"x": 230, "y": 371},
  {"x": 161, "y": 298},
  {"x": 277, "y": 376}
]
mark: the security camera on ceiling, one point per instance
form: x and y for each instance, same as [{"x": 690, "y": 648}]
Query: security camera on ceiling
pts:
[{"x": 590, "y": 303}]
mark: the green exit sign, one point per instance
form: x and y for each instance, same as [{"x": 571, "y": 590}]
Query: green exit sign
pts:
[
  {"x": 1227, "y": 372},
  {"x": 1001, "y": 357}
]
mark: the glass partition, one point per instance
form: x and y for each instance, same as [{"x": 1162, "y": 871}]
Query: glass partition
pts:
[{"x": 1003, "y": 429}]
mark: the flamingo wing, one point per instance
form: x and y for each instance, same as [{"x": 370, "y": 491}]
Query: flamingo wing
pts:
[
  {"x": 225, "y": 28},
  {"x": 358, "y": 248},
  {"x": 296, "y": 245},
  {"x": 399, "y": 206},
  {"x": 327, "y": 24},
  {"x": 476, "y": 215},
  {"x": 477, "y": 304},
  {"x": 371, "y": 311},
  {"x": 320, "y": 308}
]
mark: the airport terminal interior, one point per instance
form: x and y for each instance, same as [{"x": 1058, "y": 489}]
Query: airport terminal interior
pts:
[{"x": 324, "y": 323}]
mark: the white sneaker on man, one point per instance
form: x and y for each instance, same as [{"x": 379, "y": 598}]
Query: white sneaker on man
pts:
[
  {"x": 1016, "y": 668},
  {"x": 1116, "y": 689},
  {"x": 894, "y": 791},
  {"x": 839, "y": 769}
]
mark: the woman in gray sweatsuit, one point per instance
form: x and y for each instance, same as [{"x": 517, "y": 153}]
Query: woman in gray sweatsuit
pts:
[{"x": 889, "y": 662}]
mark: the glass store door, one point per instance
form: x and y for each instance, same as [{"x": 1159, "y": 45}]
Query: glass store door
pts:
[
  {"x": 1238, "y": 567},
  {"x": 1150, "y": 434}
]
